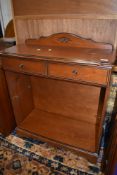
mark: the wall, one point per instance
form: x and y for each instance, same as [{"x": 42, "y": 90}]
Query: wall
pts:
[{"x": 5, "y": 13}]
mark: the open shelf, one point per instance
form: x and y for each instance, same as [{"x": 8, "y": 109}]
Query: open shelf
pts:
[{"x": 62, "y": 129}]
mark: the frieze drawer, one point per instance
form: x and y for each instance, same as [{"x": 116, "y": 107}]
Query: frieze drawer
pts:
[
  {"x": 26, "y": 66},
  {"x": 77, "y": 72}
]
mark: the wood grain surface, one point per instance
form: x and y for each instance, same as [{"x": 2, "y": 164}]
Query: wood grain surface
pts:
[
  {"x": 61, "y": 129},
  {"x": 87, "y": 18},
  {"x": 7, "y": 119},
  {"x": 34, "y": 7},
  {"x": 34, "y": 27},
  {"x": 67, "y": 104}
]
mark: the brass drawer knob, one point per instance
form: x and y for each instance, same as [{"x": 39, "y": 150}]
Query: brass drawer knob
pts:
[
  {"x": 21, "y": 66},
  {"x": 75, "y": 72}
]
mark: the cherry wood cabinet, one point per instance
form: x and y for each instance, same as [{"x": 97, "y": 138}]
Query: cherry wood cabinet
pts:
[{"x": 59, "y": 86}]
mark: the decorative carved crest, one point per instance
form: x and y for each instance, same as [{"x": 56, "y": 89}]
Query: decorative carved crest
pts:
[
  {"x": 64, "y": 39},
  {"x": 67, "y": 40}
]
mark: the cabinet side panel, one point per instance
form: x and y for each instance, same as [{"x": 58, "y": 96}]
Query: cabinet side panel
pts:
[
  {"x": 7, "y": 120},
  {"x": 21, "y": 94}
]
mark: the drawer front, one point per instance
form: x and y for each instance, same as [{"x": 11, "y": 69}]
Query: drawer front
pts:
[
  {"x": 20, "y": 65},
  {"x": 77, "y": 72}
]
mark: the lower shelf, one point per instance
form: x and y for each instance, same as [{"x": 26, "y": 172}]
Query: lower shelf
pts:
[{"x": 58, "y": 128}]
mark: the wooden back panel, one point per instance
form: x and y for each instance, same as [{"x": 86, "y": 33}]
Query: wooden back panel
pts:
[
  {"x": 34, "y": 27},
  {"x": 89, "y": 19},
  {"x": 36, "y": 7},
  {"x": 54, "y": 96}
]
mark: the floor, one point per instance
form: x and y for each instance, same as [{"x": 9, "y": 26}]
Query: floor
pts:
[{"x": 26, "y": 156}]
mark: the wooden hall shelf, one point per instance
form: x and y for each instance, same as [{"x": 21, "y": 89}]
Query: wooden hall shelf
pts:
[{"x": 59, "y": 87}]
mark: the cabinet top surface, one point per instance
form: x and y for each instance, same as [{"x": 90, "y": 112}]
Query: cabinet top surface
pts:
[{"x": 62, "y": 48}]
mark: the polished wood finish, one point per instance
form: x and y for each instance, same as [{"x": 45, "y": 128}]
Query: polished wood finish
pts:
[
  {"x": 60, "y": 39},
  {"x": 7, "y": 120},
  {"x": 64, "y": 87},
  {"x": 95, "y": 20},
  {"x": 95, "y": 57},
  {"x": 112, "y": 151},
  {"x": 69, "y": 103},
  {"x": 31, "y": 7},
  {"x": 34, "y": 27},
  {"x": 87, "y": 74},
  {"x": 21, "y": 95},
  {"x": 59, "y": 128},
  {"x": 9, "y": 31},
  {"x": 25, "y": 66}
]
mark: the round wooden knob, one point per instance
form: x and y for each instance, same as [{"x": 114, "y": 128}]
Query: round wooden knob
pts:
[
  {"x": 21, "y": 66},
  {"x": 75, "y": 72}
]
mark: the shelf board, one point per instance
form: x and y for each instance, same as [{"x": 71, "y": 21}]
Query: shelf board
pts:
[
  {"x": 97, "y": 9},
  {"x": 59, "y": 128},
  {"x": 68, "y": 16}
]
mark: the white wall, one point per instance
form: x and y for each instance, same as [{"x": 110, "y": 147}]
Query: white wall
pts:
[{"x": 5, "y": 13}]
